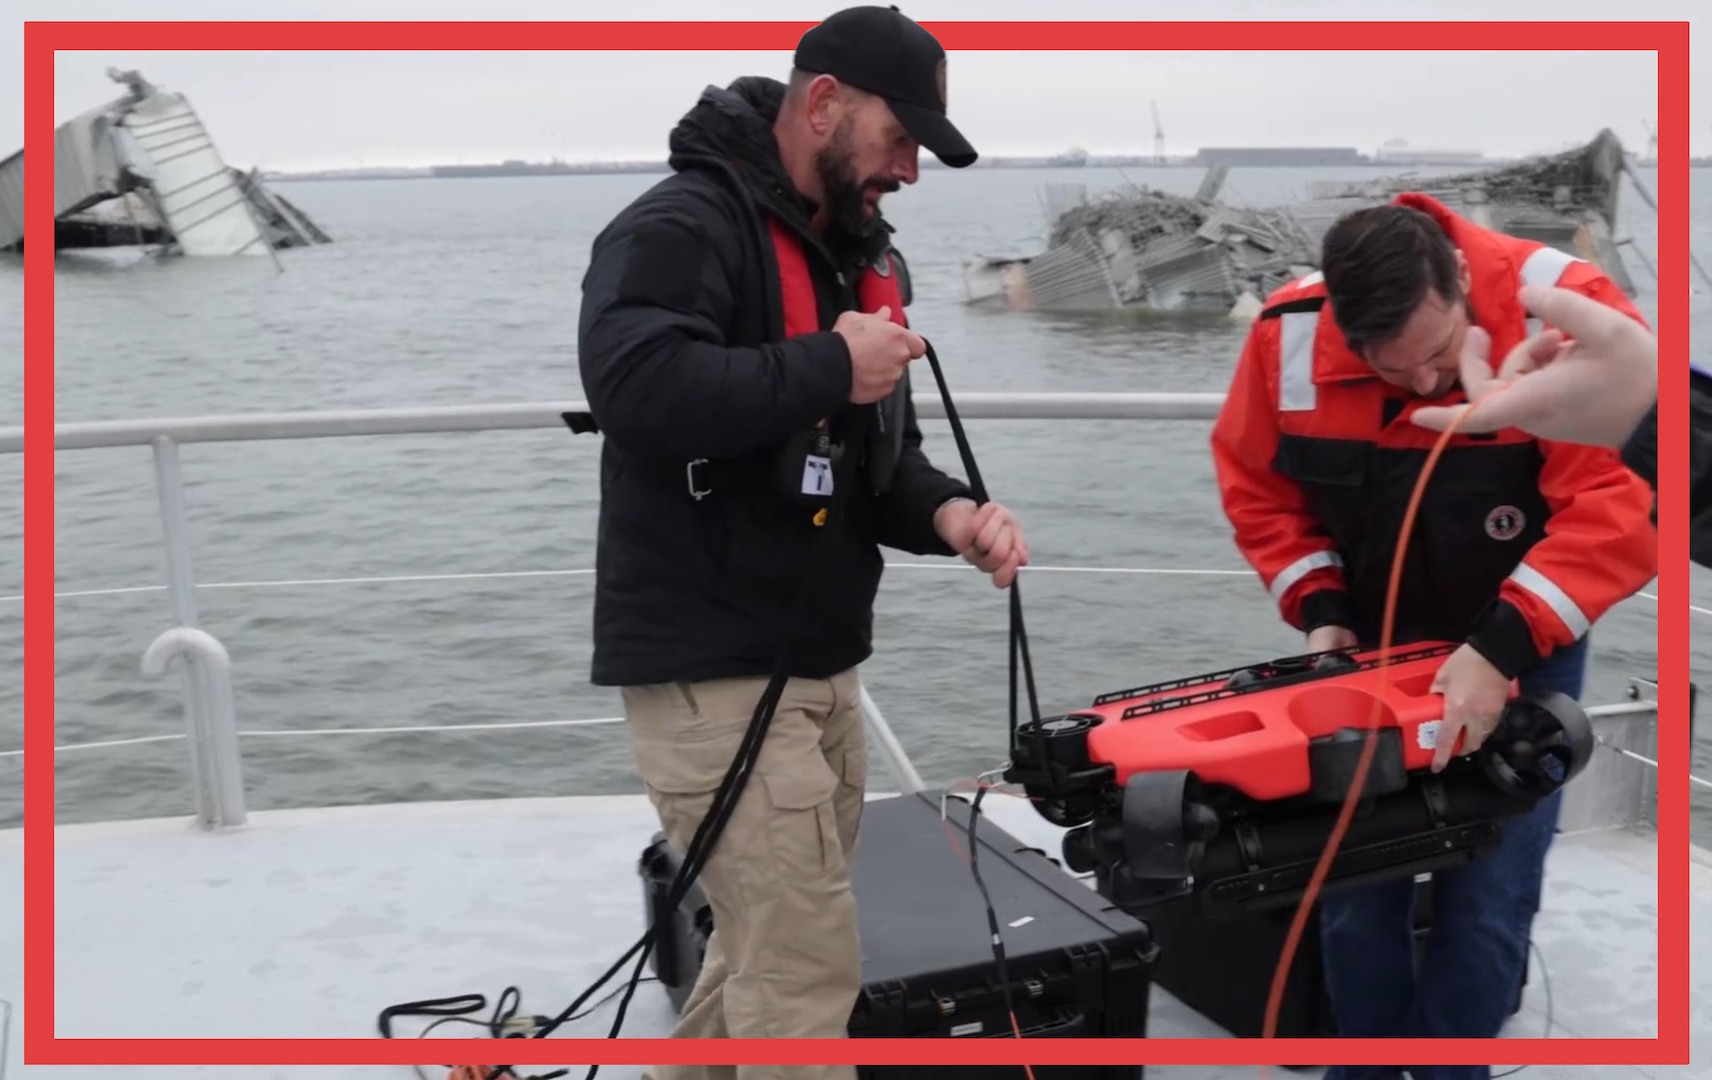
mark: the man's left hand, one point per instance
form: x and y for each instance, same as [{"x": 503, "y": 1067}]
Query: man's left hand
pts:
[
  {"x": 1475, "y": 694},
  {"x": 1593, "y": 392},
  {"x": 986, "y": 536}
]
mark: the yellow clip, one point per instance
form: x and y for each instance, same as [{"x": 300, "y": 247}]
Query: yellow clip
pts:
[{"x": 820, "y": 517}]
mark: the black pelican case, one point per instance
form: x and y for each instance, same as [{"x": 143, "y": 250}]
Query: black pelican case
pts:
[
  {"x": 1223, "y": 968},
  {"x": 1077, "y": 967}
]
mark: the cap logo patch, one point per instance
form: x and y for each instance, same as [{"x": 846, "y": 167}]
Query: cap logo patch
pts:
[{"x": 939, "y": 80}]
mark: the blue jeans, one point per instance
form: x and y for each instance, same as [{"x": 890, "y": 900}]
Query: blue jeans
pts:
[{"x": 1477, "y": 950}]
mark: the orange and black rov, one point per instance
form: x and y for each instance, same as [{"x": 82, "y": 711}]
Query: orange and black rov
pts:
[{"x": 1227, "y": 785}]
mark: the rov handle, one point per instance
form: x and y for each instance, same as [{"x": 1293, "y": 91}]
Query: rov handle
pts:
[{"x": 1291, "y": 667}]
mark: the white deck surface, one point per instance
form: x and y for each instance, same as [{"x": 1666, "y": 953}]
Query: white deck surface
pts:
[{"x": 307, "y": 923}]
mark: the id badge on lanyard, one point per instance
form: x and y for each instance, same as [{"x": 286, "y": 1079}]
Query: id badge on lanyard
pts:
[
  {"x": 805, "y": 464},
  {"x": 817, "y": 467}
]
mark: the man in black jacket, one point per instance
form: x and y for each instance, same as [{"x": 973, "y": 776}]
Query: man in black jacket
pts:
[
  {"x": 1600, "y": 389},
  {"x": 743, "y": 346}
]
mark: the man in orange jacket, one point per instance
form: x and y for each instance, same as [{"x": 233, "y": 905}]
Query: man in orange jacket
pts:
[{"x": 1518, "y": 547}]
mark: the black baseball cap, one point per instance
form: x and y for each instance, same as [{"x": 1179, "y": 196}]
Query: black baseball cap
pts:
[{"x": 888, "y": 54}]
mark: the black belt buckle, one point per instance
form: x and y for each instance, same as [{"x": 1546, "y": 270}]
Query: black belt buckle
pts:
[{"x": 697, "y": 493}]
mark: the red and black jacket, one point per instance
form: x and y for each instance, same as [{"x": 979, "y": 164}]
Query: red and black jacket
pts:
[
  {"x": 1519, "y": 544},
  {"x": 704, "y": 343}
]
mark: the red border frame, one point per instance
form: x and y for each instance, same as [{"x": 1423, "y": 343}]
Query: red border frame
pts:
[{"x": 42, "y": 39}]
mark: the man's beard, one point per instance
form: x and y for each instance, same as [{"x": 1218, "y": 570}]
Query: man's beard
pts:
[{"x": 841, "y": 192}]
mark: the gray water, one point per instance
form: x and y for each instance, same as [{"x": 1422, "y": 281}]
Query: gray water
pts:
[{"x": 448, "y": 292}]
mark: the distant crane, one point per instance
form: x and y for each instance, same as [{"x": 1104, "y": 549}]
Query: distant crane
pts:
[
  {"x": 1158, "y": 137},
  {"x": 1652, "y": 141}
]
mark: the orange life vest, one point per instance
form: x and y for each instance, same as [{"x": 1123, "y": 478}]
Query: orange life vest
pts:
[{"x": 876, "y": 287}]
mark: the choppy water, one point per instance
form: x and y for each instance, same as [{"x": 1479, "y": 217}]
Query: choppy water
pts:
[{"x": 442, "y": 292}]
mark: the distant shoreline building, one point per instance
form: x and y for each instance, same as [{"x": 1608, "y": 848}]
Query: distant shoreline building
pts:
[
  {"x": 1432, "y": 157},
  {"x": 1395, "y": 154},
  {"x": 1237, "y": 157},
  {"x": 1399, "y": 152},
  {"x": 514, "y": 167}
]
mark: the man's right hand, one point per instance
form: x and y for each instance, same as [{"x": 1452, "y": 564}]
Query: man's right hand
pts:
[
  {"x": 1326, "y": 638},
  {"x": 880, "y": 350}
]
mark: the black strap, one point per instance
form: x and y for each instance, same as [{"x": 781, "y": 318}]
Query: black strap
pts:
[
  {"x": 581, "y": 423},
  {"x": 699, "y": 478}
]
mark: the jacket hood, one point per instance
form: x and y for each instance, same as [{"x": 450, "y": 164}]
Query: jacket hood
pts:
[
  {"x": 731, "y": 127},
  {"x": 1493, "y": 271}
]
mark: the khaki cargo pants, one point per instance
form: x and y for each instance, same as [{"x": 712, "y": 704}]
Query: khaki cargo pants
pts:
[{"x": 784, "y": 959}]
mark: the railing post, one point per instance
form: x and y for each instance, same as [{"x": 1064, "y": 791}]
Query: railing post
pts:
[
  {"x": 169, "y": 483},
  {"x": 1616, "y": 789},
  {"x": 1693, "y": 706},
  {"x": 213, "y": 732},
  {"x": 208, "y": 719},
  {"x": 898, "y": 762}
]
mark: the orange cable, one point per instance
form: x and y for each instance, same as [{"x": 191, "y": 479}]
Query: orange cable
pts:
[{"x": 1275, "y": 998}]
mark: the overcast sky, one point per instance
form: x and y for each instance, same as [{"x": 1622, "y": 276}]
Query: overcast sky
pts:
[{"x": 284, "y": 110}]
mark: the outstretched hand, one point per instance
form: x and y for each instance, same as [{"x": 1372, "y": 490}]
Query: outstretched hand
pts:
[{"x": 1591, "y": 390}]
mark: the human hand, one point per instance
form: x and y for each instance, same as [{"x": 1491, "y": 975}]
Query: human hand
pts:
[
  {"x": 1475, "y": 694},
  {"x": 1327, "y": 638},
  {"x": 986, "y": 536},
  {"x": 1593, "y": 390},
  {"x": 880, "y": 350}
]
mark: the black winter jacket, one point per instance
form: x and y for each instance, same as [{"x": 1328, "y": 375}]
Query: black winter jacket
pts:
[
  {"x": 683, "y": 357},
  {"x": 1640, "y": 454}
]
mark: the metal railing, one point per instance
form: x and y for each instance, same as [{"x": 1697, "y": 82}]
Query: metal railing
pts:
[
  {"x": 245, "y": 427},
  {"x": 210, "y": 722}
]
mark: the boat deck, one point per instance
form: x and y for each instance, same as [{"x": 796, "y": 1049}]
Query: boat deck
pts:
[{"x": 308, "y": 922}]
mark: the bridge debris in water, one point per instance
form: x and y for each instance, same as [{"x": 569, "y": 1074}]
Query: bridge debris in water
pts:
[
  {"x": 142, "y": 170},
  {"x": 1146, "y": 249}
]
